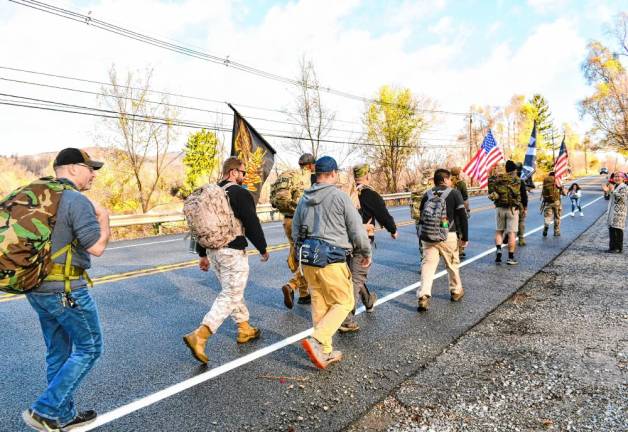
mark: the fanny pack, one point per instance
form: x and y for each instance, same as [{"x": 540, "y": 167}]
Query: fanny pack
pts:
[{"x": 319, "y": 253}]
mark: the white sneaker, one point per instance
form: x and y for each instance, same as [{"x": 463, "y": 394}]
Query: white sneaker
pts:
[
  {"x": 572, "y": 214},
  {"x": 581, "y": 214}
]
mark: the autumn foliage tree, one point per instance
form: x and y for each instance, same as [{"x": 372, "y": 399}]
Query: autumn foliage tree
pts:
[
  {"x": 394, "y": 123},
  {"x": 200, "y": 159}
]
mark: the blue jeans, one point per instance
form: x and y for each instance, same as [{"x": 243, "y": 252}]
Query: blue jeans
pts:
[
  {"x": 575, "y": 202},
  {"x": 64, "y": 327}
]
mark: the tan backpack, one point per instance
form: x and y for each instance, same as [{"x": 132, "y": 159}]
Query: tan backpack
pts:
[{"x": 210, "y": 216}]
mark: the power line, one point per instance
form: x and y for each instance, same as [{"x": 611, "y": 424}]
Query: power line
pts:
[
  {"x": 124, "y": 32},
  {"x": 48, "y": 105}
]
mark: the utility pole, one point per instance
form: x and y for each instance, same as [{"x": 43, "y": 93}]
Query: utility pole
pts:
[{"x": 470, "y": 138}]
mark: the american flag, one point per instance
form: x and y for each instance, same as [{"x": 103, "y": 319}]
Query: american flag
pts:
[
  {"x": 562, "y": 162},
  {"x": 484, "y": 160}
]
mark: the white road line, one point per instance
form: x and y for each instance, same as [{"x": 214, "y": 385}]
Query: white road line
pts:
[
  {"x": 144, "y": 244},
  {"x": 217, "y": 371}
]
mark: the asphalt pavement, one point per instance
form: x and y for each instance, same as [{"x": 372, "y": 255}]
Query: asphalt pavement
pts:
[{"x": 147, "y": 380}]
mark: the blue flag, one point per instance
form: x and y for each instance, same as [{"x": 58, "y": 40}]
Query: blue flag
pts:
[{"x": 529, "y": 163}]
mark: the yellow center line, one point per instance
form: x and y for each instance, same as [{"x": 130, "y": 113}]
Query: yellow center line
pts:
[{"x": 192, "y": 263}]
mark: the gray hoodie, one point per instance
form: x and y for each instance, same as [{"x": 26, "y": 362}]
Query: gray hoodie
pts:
[{"x": 330, "y": 216}]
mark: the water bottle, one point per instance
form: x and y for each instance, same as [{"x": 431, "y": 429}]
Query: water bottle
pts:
[{"x": 444, "y": 223}]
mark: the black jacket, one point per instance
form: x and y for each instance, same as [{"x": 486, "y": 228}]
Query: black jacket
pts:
[
  {"x": 373, "y": 208},
  {"x": 244, "y": 209}
]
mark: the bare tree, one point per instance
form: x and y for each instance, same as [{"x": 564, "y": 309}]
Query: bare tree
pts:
[{"x": 143, "y": 130}]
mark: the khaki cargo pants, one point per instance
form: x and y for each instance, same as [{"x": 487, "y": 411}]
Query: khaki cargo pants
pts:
[
  {"x": 432, "y": 252},
  {"x": 232, "y": 269},
  {"x": 332, "y": 299},
  {"x": 297, "y": 282},
  {"x": 552, "y": 212}
]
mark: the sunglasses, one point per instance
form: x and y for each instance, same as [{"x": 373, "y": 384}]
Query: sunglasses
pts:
[
  {"x": 91, "y": 169},
  {"x": 241, "y": 172}
]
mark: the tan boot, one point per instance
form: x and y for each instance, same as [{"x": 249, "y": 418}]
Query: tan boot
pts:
[
  {"x": 247, "y": 333},
  {"x": 196, "y": 342}
]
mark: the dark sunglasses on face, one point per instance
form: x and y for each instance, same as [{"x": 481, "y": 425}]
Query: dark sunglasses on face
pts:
[{"x": 91, "y": 169}]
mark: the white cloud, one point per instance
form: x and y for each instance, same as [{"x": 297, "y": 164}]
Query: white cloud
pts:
[
  {"x": 542, "y": 6},
  {"x": 443, "y": 26}
]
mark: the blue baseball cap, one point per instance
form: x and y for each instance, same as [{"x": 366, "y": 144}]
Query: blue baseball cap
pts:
[{"x": 326, "y": 164}]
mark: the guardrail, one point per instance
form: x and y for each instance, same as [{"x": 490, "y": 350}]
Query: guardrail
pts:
[{"x": 265, "y": 212}]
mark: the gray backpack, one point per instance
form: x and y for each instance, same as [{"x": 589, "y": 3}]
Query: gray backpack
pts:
[{"x": 433, "y": 216}]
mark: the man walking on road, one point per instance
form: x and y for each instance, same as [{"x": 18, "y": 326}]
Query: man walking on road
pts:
[
  {"x": 285, "y": 193},
  {"x": 552, "y": 207},
  {"x": 67, "y": 312},
  {"x": 326, "y": 228},
  {"x": 372, "y": 209},
  {"x": 442, "y": 215},
  {"x": 461, "y": 186},
  {"x": 231, "y": 265},
  {"x": 504, "y": 189}
]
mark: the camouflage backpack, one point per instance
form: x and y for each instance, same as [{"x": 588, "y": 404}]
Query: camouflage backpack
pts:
[
  {"x": 27, "y": 218},
  {"x": 210, "y": 216},
  {"x": 286, "y": 191},
  {"x": 416, "y": 195},
  {"x": 505, "y": 190},
  {"x": 550, "y": 192}
]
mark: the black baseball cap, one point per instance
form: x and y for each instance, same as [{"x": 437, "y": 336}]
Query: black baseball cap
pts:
[
  {"x": 306, "y": 159},
  {"x": 69, "y": 156}
]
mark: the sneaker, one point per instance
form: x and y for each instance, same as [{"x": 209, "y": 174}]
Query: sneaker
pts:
[
  {"x": 370, "y": 304},
  {"x": 512, "y": 261},
  {"x": 498, "y": 258},
  {"x": 545, "y": 231},
  {"x": 456, "y": 297},
  {"x": 39, "y": 423},
  {"x": 424, "y": 304},
  {"x": 83, "y": 418},
  {"x": 581, "y": 214},
  {"x": 314, "y": 351},
  {"x": 306, "y": 299},
  {"x": 288, "y": 296},
  {"x": 572, "y": 214},
  {"x": 349, "y": 325}
]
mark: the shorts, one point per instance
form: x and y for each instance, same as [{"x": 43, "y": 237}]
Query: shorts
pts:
[{"x": 506, "y": 219}]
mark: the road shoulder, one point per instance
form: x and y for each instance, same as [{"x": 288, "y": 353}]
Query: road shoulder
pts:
[{"x": 552, "y": 357}]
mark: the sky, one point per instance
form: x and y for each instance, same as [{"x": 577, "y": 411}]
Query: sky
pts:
[{"x": 458, "y": 53}]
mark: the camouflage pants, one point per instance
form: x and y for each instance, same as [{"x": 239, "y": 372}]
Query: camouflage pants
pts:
[
  {"x": 232, "y": 269},
  {"x": 298, "y": 281},
  {"x": 359, "y": 275},
  {"x": 552, "y": 212},
  {"x": 522, "y": 223}
]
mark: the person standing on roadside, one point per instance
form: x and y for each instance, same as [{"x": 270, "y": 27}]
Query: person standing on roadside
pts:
[
  {"x": 552, "y": 207},
  {"x": 231, "y": 265},
  {"x": 617, "y": 210},
  {"x": 442, "y": 215},
  {"x": 67, "y": 312},
  {"x": 504, "y": 189},
  {"x": 285, "y": 193},
  {"x": 326, "y": 228},
  {"x": 461, "y": 186},
  {"x": 575, "y": 195},
  {"x": 372, "y": 209},
  {"x": 523, "y": 208}
]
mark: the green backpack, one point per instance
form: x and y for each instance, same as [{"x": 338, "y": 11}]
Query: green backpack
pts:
[
  {"x": 504, "y": 190},
  {"x": 550, "y": 192},
  {"x": 27, "y": 217},
  {"x": 286, "y": 191},
  {"x": 416, "y": 195}
]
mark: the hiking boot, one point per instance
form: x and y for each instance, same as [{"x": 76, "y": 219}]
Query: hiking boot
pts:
[
  {"x": 349, "y": 325},
  {"x": 314, "y": 351},
  {"x": 288, "y": 296},
  {"x": 247, "y": 333},
  {"x": 498, "y": 258},
  {"x": 545, "y": 229},
  {"x": 456, "y": 297},
  {"x": 512, "y": 261},
  {"x": 424, "y": 304},
  {"x": 196, "y": 342},
  {"x": 39, "y": 423},
  {"x": 83, "y": 418},
  {"x": 556, "y": 233},
  {"x": 369, "y": 305},
  {"x": 306, "y": 299},
  {"x": 522, "y": 241}
]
